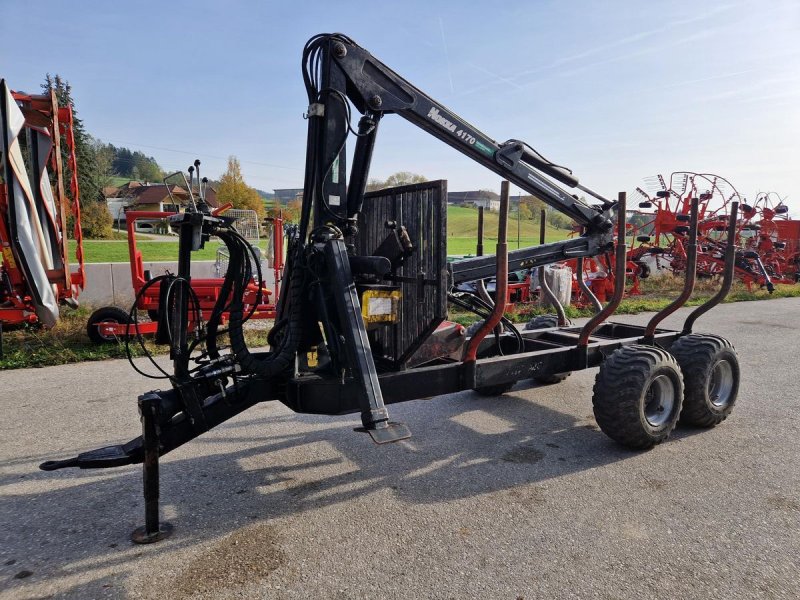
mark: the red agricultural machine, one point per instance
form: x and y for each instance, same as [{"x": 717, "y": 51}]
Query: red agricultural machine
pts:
[
  {"x": 111, "y": 323},
  {"x": 36, "y": 274},
  {"x": 767, "y": 241}
]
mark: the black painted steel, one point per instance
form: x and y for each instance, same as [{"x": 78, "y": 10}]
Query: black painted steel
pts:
[{"x": 422, "y": 209}]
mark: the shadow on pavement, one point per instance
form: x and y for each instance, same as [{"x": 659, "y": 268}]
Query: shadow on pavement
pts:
[{"x": 464, "y": 445}]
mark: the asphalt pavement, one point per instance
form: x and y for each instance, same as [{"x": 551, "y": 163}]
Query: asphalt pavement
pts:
[{"x": 519, "y": 496}]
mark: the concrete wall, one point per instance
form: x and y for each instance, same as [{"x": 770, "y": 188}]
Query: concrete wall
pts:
[{"x": 110, "y": 283}]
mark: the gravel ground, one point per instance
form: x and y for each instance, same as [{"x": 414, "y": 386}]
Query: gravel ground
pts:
[{"x": 519, "y": 496}]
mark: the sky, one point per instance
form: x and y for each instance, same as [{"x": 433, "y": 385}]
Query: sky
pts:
[{"x": 615, "y": 90}]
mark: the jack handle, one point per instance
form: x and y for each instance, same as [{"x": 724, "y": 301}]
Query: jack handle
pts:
[
  {"x": 501, "y": 280},
  {"x": 688, "y": 283},
  {"x": 727, "y": 274},
  {"x": 620, "y": 259}
]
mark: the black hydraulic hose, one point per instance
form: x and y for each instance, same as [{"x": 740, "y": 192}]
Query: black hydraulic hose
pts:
[
  {"x": 487, "y": 309},
  {"x": 212, "y": 328},
  {"x": 239, "y": 270},
  {"x": 283, "y": 356}
]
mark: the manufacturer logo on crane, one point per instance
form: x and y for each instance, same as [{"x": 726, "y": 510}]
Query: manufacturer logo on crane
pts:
[{"x": 433, "y": 113}]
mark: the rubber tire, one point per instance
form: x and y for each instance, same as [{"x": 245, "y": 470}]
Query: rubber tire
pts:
[
  {"x": 473, "y": 329},
  {"x": 697, "y": 354},
  {"x": 153, "y": 314},
  {"x": 546, "y": 322},
  {"x": 619, "y": 395},
  {"x": 107, "y": 314}
]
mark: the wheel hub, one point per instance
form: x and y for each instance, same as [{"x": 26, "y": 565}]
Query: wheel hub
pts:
[
  {"x": 720, "y": 384},
  {"x": 659, "y": 401}
]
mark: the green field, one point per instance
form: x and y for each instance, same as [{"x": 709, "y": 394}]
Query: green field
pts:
[
  {"x": 462, "y": 235},
  {"x": 462, "y": 231},
  {"x": 98, "y": 251},
  {"x": 118, "y": 181}
]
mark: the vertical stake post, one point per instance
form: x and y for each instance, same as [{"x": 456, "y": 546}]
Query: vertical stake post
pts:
[{"x": 479, "y": 249}]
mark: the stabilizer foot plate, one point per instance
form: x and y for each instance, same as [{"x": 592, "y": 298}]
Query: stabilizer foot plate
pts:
[
  {"x": 140, "y": 535},
  {"x": 393, "y": 432}
]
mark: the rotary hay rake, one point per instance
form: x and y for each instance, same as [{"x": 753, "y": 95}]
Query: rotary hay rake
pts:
[{"x": 766, "y": 240}]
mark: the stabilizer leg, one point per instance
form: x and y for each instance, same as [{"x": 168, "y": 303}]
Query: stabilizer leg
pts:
[
  {"x": 374, "y": 415},
  {"x": 153, "y": 530}
]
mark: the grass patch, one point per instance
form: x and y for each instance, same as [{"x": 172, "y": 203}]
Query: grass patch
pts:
[
  {"x": 462, "y": 231},
  {"x": 117, "y": 181},
  {"x": 33, "y": 346},
  {"x": 462, "y": 236},
  {"x": 103, "y": 251},
  {"x": 657, "y": 293}
]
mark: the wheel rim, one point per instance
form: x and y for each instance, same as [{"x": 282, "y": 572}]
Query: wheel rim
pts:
[
  {"x": 659, "y": 401},
  {"x": 720, "y": 384},
  {"x": 107, "y": 337}
]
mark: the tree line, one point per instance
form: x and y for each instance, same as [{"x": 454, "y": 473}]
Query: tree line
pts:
[
  {"x": 99, "y": 162},
  {"x": 123, "y": 162}
]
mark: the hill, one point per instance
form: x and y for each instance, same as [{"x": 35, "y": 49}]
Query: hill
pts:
[{"x": 462, "y": 231}]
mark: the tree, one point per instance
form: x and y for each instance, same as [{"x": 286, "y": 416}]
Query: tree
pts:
[
  {"x": 89, "y": 178},
  {"x": 96, "y": 221},
  {"x": 293, "y": 210},
  {"x": 396, "y": 179},
  {"x": 534, "y": 205},
  {"x": 104, "y": 155},
  {"x": 233, "y": 189}
]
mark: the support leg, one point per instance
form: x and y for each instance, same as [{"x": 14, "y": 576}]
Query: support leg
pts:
[
  {"x": 374, "y": 415},
  {"x": 152, "y": 531}
]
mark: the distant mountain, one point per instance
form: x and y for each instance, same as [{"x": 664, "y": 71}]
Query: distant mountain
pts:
[{"x": 266, "y": 195}]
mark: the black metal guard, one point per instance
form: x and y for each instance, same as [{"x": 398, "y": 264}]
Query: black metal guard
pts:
[
  {"x": 688, "y": 282},
  {"x": 727, "y": 277},
  {"x": 547, "y": 293}
]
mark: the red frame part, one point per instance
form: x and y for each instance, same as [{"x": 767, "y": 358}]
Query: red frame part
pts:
[
  {"x": 207, "y": 290},
  {"x": 16, "y": 303}
]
